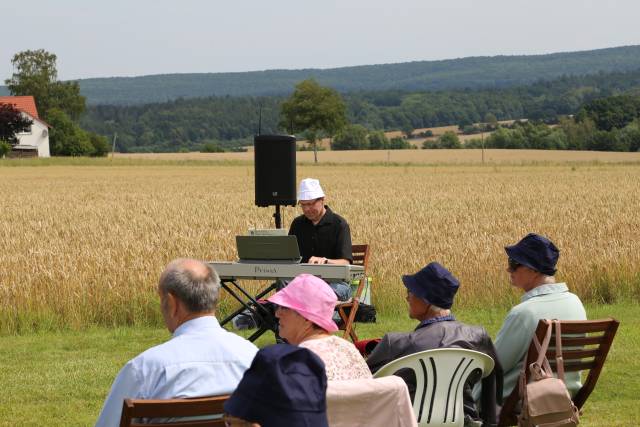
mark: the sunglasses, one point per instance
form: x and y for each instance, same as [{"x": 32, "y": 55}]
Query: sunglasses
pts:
[{"x": 513, "y": 265}]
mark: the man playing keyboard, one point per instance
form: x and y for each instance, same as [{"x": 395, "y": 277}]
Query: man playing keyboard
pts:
[{"x": 323, "y": 236}]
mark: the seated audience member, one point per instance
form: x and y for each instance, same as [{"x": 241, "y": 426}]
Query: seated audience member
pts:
[
  {"x": 304, "y": 309},
  {"x": 201, "y": 359},
  {"x": 430, "y": 294},
  {"x": 532, "y": 265},
  {"x": 285, "y": 386}
]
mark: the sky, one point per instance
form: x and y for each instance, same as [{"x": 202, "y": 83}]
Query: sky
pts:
[{"x": 140, "y": 37}]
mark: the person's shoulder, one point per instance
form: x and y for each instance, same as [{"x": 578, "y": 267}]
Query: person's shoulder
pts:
[
  {"x": 478, "y": 329},
  {"x": 236, "y": 343},
  {"x": 156, "y": 355},
  {"x": 297, "y": 223},
  {"x": 336, "y": 218},
  {"x": 398, "y": 338}
]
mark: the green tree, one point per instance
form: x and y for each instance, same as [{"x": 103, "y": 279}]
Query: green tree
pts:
[
  {"x": 378, "y": 140},
  {"x": 399, "y": 143},
  {"x": 66, "y": 138},
  {"x": 211, "y": 147},
  {"x": 100, "y": 145},
  {"x": 59, "y": 103},
  {"x": 12, "y": 121},
  {"x": 490, "y": 121},
  {"x": 35, "y": 74},
  {"x": 351, "y": 137},
  {"x": 318, "y": 111},
  {"x": 449, "y": 140},
  {"x": 5, "y": 147}
]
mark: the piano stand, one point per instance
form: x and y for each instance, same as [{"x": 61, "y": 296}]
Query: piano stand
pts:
[
  {"x": 259, "y": 312},
  {"x": 231, "y": 272}
]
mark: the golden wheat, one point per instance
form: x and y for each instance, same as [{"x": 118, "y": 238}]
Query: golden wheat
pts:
[
  {"x": 84, "y": 245},
  {"x": 418, "y": 157}
]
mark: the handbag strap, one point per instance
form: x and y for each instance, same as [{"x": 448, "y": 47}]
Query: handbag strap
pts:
[
  {"x": 542, "y": 348},
  {"x": 559, "y": 359},
  {"x": 542, "y": 361}
]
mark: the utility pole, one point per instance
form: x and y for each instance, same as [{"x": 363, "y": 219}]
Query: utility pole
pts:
[
  {"x": 482, "y": 138},
  {"x": 113, "y": 146}
]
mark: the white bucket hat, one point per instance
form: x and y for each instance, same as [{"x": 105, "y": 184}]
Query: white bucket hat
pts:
[{"x": 310, "y": 189}]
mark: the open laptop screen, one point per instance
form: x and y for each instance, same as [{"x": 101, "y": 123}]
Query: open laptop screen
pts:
[{"x": 268, "y": 248}]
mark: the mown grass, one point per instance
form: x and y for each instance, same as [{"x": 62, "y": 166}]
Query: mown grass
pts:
[{"x": 62, "y": 378}]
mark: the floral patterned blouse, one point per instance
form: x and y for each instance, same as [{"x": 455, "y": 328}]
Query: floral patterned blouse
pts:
[{"x": 341, "y": 358}]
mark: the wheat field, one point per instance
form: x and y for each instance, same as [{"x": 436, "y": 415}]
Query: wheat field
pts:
[{"x": 84, "y": 245}]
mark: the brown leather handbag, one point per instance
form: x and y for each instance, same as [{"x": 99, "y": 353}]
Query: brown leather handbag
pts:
[{"x": 546, "y": 402}]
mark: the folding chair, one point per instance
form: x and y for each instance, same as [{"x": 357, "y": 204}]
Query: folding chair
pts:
[
  {"x": 440, "y": 377},
  {"x": 585, "y": 345},
  {"x": 181, "y": 412},
  {"x": 360, "y": 257}
]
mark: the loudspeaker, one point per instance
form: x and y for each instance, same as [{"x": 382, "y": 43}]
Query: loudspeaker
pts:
[{"x": 275, "y": 170}]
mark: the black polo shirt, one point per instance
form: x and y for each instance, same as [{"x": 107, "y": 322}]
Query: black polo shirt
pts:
[{"x": 330, "y": 238}]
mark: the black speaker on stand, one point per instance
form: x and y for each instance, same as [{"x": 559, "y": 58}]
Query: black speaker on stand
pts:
[{"x": 275, "y": 172}]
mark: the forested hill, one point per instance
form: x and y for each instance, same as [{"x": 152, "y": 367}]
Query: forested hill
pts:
[
  {"x": 185, "y": 124},
  {"x": 471, "y": 73}
]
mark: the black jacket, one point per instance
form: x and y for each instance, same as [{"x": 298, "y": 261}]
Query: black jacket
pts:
[{"x": 445, "y": 334}]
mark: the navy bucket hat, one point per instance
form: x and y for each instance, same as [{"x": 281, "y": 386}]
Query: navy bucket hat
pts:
[
  {"x": 536, "y": 252},
  {"x": 433, "y": 283},
  {"x": 285, "y": 385}
]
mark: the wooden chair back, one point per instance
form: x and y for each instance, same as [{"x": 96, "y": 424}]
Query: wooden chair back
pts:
[
  {"x": 585, "y": 345},
  {"x": 135, "y": 409},
  {"x": 360, "y": 255}
]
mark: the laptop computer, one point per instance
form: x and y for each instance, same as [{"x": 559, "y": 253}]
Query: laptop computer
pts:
[{"x": 268, "y": 249}]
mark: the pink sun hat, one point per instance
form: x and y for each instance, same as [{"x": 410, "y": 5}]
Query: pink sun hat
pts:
[{"x": 311, "y": 297}]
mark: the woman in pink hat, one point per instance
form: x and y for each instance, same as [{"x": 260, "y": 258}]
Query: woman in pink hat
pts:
[{"x": 305, "y": 309}]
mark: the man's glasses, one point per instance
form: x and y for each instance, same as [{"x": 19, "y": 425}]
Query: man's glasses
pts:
[
  {"x": 308, "y": 203},
  {"x": 513, "y": 265}
]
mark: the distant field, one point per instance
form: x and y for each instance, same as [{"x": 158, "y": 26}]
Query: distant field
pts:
[
  {"x": 495, "y": 156},
  {"x": 83, "y": 245},
  {"x": 417, "y": 141}
]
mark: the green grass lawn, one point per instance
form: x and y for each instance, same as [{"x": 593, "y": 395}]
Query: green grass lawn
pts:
[{"x": 61, "y": 379}]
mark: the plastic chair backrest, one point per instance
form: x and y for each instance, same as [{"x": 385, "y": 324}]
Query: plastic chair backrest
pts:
[{"x": 440, "y": 377}]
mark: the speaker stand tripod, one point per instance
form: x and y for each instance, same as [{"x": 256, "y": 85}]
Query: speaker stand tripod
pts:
[{"x": 277, "y": 217}]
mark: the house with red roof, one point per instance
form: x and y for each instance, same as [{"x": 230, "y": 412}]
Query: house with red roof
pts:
[{"x": 34, "y": 141}]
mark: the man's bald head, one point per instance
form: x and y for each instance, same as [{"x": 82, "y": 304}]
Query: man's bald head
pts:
[{"x": 193, "y": 282}]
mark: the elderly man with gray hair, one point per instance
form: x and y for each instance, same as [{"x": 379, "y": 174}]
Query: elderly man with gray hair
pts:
[{"x": 201, "y": 359}]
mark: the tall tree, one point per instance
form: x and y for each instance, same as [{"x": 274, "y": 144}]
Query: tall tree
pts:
[
  {"x": 12, "y": 121},
  {"x": 35, "y": 74},
  {"x": 59, "y": 103},
  {"x": 315, "y": 110}
]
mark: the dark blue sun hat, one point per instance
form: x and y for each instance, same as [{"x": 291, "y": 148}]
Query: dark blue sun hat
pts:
[
  {"x": 433, "y": 283},
  {"x": 284, "y": 386},
  {"x": 536, "y": 252}
]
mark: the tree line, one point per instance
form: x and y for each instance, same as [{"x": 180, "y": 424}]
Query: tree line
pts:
[{"x": 230, "y": 122}]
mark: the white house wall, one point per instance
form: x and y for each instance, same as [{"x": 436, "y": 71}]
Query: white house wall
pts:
[{"x": 38, "y": 137}]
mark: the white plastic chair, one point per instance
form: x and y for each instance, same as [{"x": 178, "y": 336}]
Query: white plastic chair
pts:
[{"x": 440, "y": 377}]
